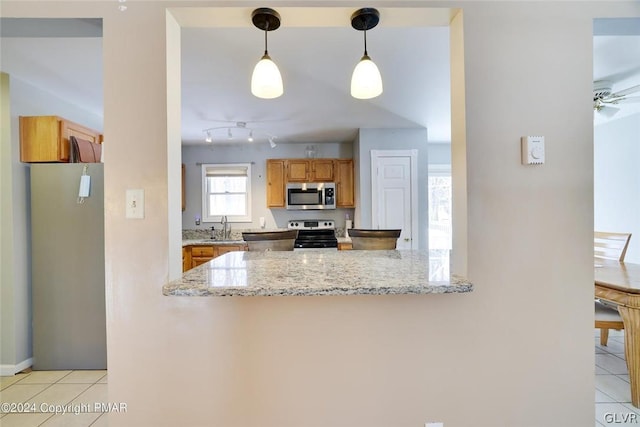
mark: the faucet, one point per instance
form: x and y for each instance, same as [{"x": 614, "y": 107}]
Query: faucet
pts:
[{"x": 226, "y": 228}]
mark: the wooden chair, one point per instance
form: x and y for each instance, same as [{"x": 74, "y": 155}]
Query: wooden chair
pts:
[{"x": 609, "y": 246}]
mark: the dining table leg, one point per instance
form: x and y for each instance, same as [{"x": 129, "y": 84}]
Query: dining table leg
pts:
[{"x": 631, "y": 318}]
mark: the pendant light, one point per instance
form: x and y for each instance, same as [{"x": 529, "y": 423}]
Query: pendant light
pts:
[
  {"x": 366, "y": 81},
  {"x": 266, "y": 81}
]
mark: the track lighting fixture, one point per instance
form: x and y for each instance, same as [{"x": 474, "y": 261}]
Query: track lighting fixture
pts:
[
  {"x": 241, "y": 130},
  {"x": 266, "y": 81},
  {"x": 366, "y": 81}
]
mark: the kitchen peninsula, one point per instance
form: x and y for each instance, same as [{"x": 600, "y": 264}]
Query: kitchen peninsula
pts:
[{"x": 309, "y": 273}]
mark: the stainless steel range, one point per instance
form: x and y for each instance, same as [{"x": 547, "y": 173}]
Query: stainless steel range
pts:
[{"x": 314, "y": 234}]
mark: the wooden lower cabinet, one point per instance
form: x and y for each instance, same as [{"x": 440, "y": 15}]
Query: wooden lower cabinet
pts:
[
  {"x": 201, "y": 254},
  {"x": 345, "y": 246},
  {"x": 194, "y": 255},
  {"x": 186, "y": 258},
  {"x": 223, "y": 249}
]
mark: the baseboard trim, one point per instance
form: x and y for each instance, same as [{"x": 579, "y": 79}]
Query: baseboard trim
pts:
[{"x": 10, "y": 370}]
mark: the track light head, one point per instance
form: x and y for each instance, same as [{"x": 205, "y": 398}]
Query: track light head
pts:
[{"x": 241, "y": 131}]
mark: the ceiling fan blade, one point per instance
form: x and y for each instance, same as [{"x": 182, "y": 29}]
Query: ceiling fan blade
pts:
[
  {"x": 632, "y": 89},
  {"x": 629, "y": 100},
  {"x": 608, "y": 111}
]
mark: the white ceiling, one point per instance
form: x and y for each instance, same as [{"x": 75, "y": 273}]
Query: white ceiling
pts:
[{"x": 316, "y": 64}]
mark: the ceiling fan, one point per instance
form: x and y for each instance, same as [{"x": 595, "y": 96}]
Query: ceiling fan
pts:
[{"x": 604, "y": 98}]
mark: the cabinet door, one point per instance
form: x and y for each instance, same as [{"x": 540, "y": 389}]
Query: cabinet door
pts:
[
  {"x": 46, "y": 138},
  {"x": 223, "y": 249},
  {"x": 202, "y": 251},
  {"x": 197, "y": 260},
  {"x": 322, "y": 170},
  {"x": 298, "y": 170},
  {"x": 186, "y": 259},
  {"x": 275, "y": 183},
  {"x": 201, "y": 254},
  {"x": 345, "y": 246},
  {"x": 345, "y": 197},
  {"x": 40, "y": 139}
]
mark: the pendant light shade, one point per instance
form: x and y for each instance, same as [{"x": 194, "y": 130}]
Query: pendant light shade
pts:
[
  {"x": 366, "y": 81},
  {"x": 266, "y": 81}
]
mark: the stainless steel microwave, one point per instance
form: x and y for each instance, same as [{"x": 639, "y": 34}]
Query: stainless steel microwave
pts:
[{"x": 311, "y": 195}]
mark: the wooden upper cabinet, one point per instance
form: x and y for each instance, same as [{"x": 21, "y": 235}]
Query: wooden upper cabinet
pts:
[
  {"x": 282, "y": 171},
  {"x": 322, "y": 170},
  {"x": 345, "y": 191},
  {"x": 310, "y": 170},
  {"x": 298, "y": 170},
  {"x": 275, "y": 183},
  {"x": 46, "y": 138}
]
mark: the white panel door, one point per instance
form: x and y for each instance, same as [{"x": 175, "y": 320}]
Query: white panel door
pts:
[{"x": 393, "y": 200}]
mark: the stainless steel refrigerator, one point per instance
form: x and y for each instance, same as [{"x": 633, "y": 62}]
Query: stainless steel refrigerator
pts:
[{"x": 67, "y": 267}]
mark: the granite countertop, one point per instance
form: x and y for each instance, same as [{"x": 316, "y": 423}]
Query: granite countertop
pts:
[
  {"x": 318, "y": 272},
  {"x": 204, "y": 242}
]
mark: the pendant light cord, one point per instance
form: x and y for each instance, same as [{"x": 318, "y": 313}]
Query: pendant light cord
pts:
[
  {"x": 365, "y": 43},
  {"x": 266, "y": 30}
]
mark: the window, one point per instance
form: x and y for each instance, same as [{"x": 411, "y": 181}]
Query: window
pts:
[
  {"x": 440, "y": 207},
  {"x": 226, "y": 191},
  {"x": 440, "y": 230}
]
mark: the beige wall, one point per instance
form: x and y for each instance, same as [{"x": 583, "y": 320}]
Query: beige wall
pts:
[
  {"x": 7, "y": 291},
  {"x": 516, "y": 352}
]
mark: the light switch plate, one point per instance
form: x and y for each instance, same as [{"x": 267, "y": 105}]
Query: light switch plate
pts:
[
  {"x": 135, "y": 204},
  {"x": 532, "y": 150}
]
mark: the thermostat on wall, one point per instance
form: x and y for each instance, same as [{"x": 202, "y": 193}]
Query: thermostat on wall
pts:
[{"x": 532, "y": 150}]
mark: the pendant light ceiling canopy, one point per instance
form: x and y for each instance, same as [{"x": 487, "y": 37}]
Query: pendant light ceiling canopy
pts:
[
  {"x": 366, "y": 81},
  {"x": 266, "y": 81}
]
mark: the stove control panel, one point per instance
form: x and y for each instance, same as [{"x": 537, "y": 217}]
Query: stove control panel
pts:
[{"x": 312, "y": 224}]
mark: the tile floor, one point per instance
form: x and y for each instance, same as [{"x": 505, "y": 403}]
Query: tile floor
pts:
[
  {"x": 78, "y": 388},
  {"x": 613, "y": 393},
  {"x": 44, "y": 392}
]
